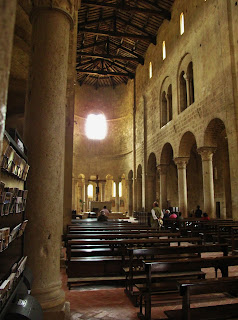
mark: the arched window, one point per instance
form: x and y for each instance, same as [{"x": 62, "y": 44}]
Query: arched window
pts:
[
  {"x": 150, "y": 70},
  {"x": 120, "y": 189},
  {"x": 96, "y": 126},
  {"x": 190, "y": 83},
  {"x": 163, "y": 109},
  {"x": 183, "y": 92},
  {"x": 181, "y": 23},
  {"x": 90, "y": 191},
  {"x": 169, "y": 98},
  {"x": 164, "y": 50}
]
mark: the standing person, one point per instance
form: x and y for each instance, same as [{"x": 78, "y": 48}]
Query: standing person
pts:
[
  {"x": 198, "y": 212},
  {"x": 156, "y": 216},
  {"x": 105, "y": 210}
]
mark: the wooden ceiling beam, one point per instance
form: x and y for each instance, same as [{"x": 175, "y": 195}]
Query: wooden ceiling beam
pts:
[
  {"x": 165, "y": 13},
  {"x": 106, "y": 73},
  {"x": 119, "y": 35},
  {"x": 120, "y": 46},
  {"x": 110, "y": 57},
  {"x": 153, "y": 12}
]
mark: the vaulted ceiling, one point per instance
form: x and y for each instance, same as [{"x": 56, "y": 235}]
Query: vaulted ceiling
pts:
[{"x": 113, "y": 36}]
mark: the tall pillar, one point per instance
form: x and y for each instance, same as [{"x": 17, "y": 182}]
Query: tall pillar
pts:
[
  {"x": 74, "y": 182},
  {"x": 44, "y": 136},
  {"x": 139, "y": 194},
  {"x": 130, "y": 196},
  {"x": 181, "y": 163},
  {"x": 86, "y": 206},
  {"x": 69, "y": 124},
  {"x": 117, "y": 199},
  {"x": 163, "y": 185},
  {"x": 208, "y": 183},
  {"x": 103, "y": 191},
  {"x": 7, "y": 23}
]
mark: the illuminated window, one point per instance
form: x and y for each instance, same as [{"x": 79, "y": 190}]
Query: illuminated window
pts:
[
  {"x": 164, "y": 50},
  {"x": 181, "y": 23},
  {"x": 114, "y": 189},
  {"x": 150, "y": 70},
  {"x": 120, "y": 189},
  {"x": 96, "y": 126},
  {"x": 90, "y": 190}
]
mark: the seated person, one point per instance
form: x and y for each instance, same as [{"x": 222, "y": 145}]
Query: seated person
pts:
[
  {"x": 105, "y": 210},
  {"x": 180, "y": 216},
  {"x": 173, "y": 216},
  {"x": 102, "y": 216},
  {"x": 205, "y": 216},
  {"x": 166, "y": 214}
]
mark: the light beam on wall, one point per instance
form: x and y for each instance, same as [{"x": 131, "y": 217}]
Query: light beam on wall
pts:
[{"x": 96, "y": 126}]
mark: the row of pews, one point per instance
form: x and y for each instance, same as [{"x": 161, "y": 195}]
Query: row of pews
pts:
[{"x": 154, "y": 262}]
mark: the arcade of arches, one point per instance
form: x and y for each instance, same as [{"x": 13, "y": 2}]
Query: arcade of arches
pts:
[{"x": 171, "y": 137}]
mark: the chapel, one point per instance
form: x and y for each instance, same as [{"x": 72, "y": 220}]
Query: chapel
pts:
[{"x": 122, "y": 102}]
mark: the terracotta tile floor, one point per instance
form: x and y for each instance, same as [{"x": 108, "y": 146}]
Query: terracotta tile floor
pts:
[{"x": 111, "y": 303}]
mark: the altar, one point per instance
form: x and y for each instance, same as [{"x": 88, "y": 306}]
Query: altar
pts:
[{"x": 97, "y": 206}]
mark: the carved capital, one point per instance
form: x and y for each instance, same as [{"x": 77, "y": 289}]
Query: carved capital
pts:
[
  {"x": 206, "y": 153},
  {"x": 68, "y": 7},
  {"x": 181, "y": 162}
]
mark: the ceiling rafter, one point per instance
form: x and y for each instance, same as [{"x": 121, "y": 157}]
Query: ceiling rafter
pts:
[
  {"x": 156, "y": 12},
  {"x": 110, "y": 56},
  {"x": 119, "y": 35}
]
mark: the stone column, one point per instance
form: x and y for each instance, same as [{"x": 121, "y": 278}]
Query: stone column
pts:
[
  {"x": 163, "y": 185},
  {"x": 74, "y": 182},
  {"x": 130, "y": 196},
  {"x": 117, "y": 199},
  {"x": 103, "y": 191},
  {"x": 139, "y": 193},
  {"x": 69, "y": 124},
  {"x": 86, "y": 206},
  {"x": 7, "y": 22},
  {"x": 44, "y": 136},
  {"x": 181, "y": 163},
  {"x": 208, "y": 184},
  {"x": 186, "y": 77}
]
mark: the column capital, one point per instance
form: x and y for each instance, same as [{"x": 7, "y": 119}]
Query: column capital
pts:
[
  {"x": 67, "y": 7},
  {"x": 162, "y": 168},
  {"x": 181, "y": 162},
  {"x": 206, "y": 153}
]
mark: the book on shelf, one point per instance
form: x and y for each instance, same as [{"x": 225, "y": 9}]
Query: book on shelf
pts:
[
  {"x": 12, "y": 279},
  {"x": 22, "y": 227},
  {"x": 5, "y": 233},
  {"x": 15, "y": 231},
  {"x": 21, "y": 266}
]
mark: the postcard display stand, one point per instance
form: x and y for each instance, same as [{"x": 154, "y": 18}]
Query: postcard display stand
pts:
[{"x": 15, "y": 279}]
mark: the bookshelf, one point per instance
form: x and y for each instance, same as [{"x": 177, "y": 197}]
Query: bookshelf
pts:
[{"x": 13, "y": 196}]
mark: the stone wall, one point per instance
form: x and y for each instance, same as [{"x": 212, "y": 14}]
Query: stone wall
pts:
[{"x": 209, "y": 41}]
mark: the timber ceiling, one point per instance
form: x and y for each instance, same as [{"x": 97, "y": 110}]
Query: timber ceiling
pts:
[{"x": 113, "y": 36}]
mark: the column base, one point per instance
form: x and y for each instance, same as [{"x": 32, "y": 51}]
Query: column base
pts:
[{"x": 58, "y": 313}]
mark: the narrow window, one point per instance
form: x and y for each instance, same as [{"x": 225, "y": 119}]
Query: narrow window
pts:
[
  {"x": 150, "y": 70},
  {"x": 164, "y": 50},
  {"x": 181, "y": 23},
  {"x": 120, "y": 189},
  {"x": 114, "y": 189},
  {"x": 90, "y": 191}
]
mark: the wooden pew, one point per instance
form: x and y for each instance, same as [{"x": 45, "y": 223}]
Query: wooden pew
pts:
[
  {"x": 79, "y": 268},
  {"x": 195, "y": 287},
  {"x": 182, "y": 265},
  {"x": 135, "y": 272}
]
